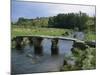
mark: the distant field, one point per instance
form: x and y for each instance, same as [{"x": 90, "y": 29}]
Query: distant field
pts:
[{"x": 19, "y": 31}]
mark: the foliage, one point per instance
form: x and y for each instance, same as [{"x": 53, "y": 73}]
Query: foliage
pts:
[
  {"x": 38, "y": 22},
  {"x": 24, "y": 22},
  {"x": 89, "y": 35},
  {"x": 69, "y": 21},
  {"x": 83, "y": 60},
  {"x": 90, "y": 61}
]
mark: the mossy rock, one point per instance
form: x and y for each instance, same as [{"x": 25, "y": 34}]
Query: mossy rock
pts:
[
  {"x": 80, "y": 45},
  {"x": 91, "y": 43}
]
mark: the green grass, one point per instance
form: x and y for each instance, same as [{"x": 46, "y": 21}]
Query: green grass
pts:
[
  {"x": 90, "y": 36},
  {"x": 20, "y": 31}
]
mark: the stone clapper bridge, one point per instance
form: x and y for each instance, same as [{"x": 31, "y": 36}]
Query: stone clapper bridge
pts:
[{"x": 50, "y": 65}]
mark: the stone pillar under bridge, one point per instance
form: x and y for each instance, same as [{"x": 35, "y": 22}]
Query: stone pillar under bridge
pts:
[
  {"x": 18, "y": 41},
  {"x": 31, "y": 40},
  {"x": 38, "y": 49},
  {"x": 54, "y": 46}
]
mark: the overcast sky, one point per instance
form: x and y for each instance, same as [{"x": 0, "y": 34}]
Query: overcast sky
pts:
[{"x": 33, "y": 10}]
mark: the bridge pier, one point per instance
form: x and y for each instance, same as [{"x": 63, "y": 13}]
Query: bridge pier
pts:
[
  {"x": 31, "y": 40},
  {"x": 18, "y": 41},
  {"x": 54, "y": 47},
  {"x": 38, "y": 49}
]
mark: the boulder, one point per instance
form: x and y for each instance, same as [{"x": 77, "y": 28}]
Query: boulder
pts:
[
  {"x": 80, "y": 45},
  {"x": 91, "y": 43}
]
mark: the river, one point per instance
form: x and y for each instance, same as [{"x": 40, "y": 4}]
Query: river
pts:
[{"x": 27, "y": 62}]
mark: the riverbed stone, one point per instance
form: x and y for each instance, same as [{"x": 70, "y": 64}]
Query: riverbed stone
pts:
[
  {"x": 80, "y": 45},
  {"x": 91, "y": 43}
]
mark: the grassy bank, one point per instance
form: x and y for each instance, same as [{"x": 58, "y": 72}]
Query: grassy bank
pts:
[
  {"x": 19, "y": 31},
  {"x": 90, "y": 36},
  {"x": 22, "y": 31}
]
